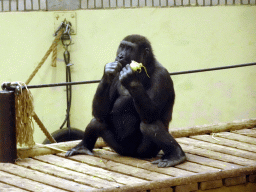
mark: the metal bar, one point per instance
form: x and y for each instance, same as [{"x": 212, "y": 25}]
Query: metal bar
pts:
[
  {"x": 212, "y": 69},
  {"x": 62, "y": 84},
  {"x": 4, "y": 86},
  {"x": 174, "y": 73}
]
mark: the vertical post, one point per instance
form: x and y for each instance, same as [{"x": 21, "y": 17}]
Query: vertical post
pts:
[{"x": 8, "y": 148}]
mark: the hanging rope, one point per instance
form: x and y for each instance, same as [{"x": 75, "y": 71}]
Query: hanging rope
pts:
[{"x": 24, "y": 110}]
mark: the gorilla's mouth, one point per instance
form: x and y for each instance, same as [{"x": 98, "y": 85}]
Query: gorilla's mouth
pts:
[{"x": 124, "y": 62}]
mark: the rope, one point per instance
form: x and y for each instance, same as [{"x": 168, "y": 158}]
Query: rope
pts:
[
  {"x": 24, "y": 104},
  {"x": 54, "y": 54},
  {"x": 24, "y": 111},
  {"x": 54, "y": 43},
  {"x": 43, "y": 128},
  {"x": 51, "y": 147}
]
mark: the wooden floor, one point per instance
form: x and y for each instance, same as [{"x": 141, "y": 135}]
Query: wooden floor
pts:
[{"x": 213, "y": 161}]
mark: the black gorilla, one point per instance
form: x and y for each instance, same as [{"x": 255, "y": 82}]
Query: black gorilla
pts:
[{"x": 132, "y": 110}]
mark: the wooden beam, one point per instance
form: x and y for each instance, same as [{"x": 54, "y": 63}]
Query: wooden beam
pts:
[
  {"x": 179, "y": 132},
  {"x": 41, "y": 150},
  {"x": 176, "y": 181},
  {"x": 213, "y": 128}
]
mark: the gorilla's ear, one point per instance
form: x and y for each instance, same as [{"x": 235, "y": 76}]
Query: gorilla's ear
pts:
[{"x": 146, "y": 52}]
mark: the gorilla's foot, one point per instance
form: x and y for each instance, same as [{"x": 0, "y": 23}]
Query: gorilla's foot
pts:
[
  {"x": 79, "y": 149},
  {"x": 169, "y": 162}
]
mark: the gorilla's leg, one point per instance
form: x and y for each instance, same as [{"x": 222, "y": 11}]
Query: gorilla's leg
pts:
[
  {"x": 91, "y": 135},
  {"x": 147, "y": 148},
  {"x": 157, "y": 133},
  {"x": 94, "y": 130}
]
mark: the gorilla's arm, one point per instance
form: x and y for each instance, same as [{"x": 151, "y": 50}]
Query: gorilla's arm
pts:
[
  {"x": 106, "y": 92},
  {"x": 101, "y": 101},
  {"x": 150, "y": 103}
]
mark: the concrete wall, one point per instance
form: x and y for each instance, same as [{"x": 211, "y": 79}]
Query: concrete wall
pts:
[{"x": 182, "y": 39}]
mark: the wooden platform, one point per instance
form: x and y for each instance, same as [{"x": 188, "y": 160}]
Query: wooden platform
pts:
[{"x": 218, "y": 160}]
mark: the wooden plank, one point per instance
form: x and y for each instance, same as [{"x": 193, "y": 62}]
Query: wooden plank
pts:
[
  {"x": 67, "y": 174},
  {"x": 211, "y": 184},
  {"x": 118, "y": 167},
  {"x": 217, "y": 155},
  {"x": 218, "y": 148},
  {"x": 9, "y": 188},
  {"x": 187, "y": 188},
  {"x": 252, "y": 178},
  {"x": 25, "y": 184},
  {"x": 211, "y": 162},
  {"x": 246, "y": 132},
  {"x": 139, "y": 163},
  {"x": 169, "y": 189},
  {"x": 226, "y": 142},
  {"x": 237, "y": 137},
  {"x": 197, "y": 168},
  {"x": 213, "y": 128},
  {"x": 42, "y": 150},
  {"x": 89, "y": 170},
  {"x": 176, "y": 181},
  {"x": 235, "y": 180},
  {"x": 42, "y": 177}
]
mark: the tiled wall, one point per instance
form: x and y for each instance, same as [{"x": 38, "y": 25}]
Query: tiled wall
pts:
[{"x": 34, "y": 5}]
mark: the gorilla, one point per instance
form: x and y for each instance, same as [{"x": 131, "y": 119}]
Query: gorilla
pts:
[{"x": 132, "y": 110}]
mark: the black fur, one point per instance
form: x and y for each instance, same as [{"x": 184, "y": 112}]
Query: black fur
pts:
[{"x": 132, "y": 111}]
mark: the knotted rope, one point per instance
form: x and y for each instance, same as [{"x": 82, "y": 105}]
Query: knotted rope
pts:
[{"x": 24, "y": 110}]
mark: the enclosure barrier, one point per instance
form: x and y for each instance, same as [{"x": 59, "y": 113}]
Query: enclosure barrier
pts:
[{"x": 53, "y": 5}]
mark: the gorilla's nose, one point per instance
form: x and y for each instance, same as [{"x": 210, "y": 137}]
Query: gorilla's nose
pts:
[{"x": 122, "y": 60}]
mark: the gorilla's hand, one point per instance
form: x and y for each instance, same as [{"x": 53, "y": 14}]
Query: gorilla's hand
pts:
[
  {"x": 111, "y": 70},
  {"x": 127, "y": 76}
]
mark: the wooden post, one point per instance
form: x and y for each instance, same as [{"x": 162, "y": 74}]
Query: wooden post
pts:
[{"x": 8, "y": 147}]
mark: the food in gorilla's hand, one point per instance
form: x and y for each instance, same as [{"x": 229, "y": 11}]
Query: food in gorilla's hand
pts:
[{"x": 135, "y": 66}]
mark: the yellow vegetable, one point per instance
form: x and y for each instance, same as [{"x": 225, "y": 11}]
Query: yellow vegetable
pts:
[{"x": 137, "y": 67}]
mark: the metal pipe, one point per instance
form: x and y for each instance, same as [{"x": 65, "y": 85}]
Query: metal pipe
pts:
[
  {"x": 6, "y": 85},
  {"x": 212, "y": 69},
  {"x": 61, "y": 84}
]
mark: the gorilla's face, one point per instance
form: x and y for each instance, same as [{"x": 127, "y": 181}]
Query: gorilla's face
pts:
[{"x": 127, "y": 52}]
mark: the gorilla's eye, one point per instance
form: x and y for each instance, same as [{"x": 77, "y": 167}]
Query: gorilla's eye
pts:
[{"x": 129, "y": 48}]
